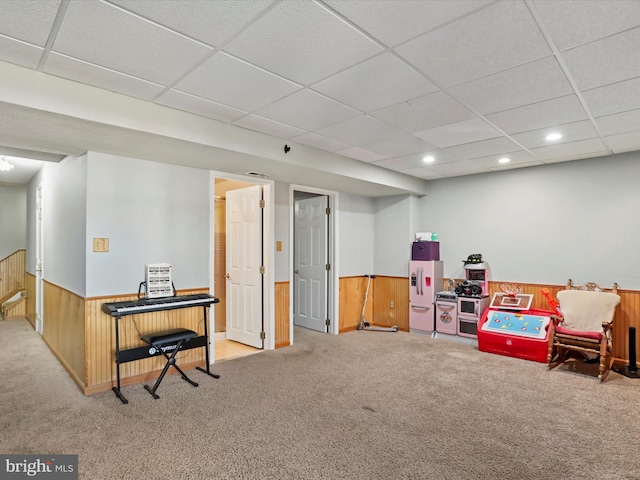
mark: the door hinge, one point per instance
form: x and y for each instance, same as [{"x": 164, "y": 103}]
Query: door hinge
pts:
[
  {"x": 262, "y": 269},
  {"x": 263, "y": 335},
  {"x": 327, "y": 266},
  {"x": 327, "y": 211},
  {"x": 327, "y": 322},
  {"x": 262, "y": 203}
]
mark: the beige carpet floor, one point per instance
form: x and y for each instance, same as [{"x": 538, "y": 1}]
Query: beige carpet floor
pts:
[{"x": 361, "y": 405}]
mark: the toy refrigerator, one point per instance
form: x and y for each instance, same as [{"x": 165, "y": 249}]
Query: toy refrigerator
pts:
[{"x": 425, "y": 279}]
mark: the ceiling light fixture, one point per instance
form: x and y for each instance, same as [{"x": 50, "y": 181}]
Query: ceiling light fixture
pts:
[
  {"x": 5, "y": 166},
  {"x": 428, "y": 159},
  {"x": 504, "y": 160},
  {"x": 552, "y": 137}
]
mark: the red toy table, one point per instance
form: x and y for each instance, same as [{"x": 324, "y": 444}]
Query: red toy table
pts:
[{"x": 521, "y": 334}]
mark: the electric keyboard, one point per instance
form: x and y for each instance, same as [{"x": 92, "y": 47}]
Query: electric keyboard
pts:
[{"x": 144, "y": 305}]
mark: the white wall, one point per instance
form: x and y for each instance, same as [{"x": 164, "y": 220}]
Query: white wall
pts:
[
  {"x": 63, "y": 223},
  {"x": 544, "y": 224},
  {"x": 13, "y": 219},
  {"x": 356, "y": 235},
  {"x": 393, "y": 235},
  {"x": 152, "y": 213}
]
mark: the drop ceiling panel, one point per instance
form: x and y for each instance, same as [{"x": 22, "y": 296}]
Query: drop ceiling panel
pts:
[
  {"x": 209, "y": 22},
  {"x": 625, "y": 122},
  {"x": 530, "y": 83},
  {"x": 235, "y": 83},
  {"x": 422, "y": 173},
  {"x": 28, "y": 20},
  {"x": 408, "y": 162},
  {"x": 270, "y": 127},
  {"x": 576, "y": 22},
  {"x": 571, "y": 150},
  {"x": 614, "y": 98},
  {"x": 605, "y": 61},
  {"x": 425, "y": 112},
  {"x": 360, "y": 154},
  {"x": 199, "y": 106},
  {"x": 483, "y": 148},
  {"x": 495, "y": 38},
  {"x": 376, "y": 83},
  {"x": 20, "y": 53},
  {"x": 299, "y": 41},
  {"x": 360, "y": 131},
  {"x": 99, "y": 33},
  {"x": 539, "y": 115},
  {"x": 403, "y": 20},
  {"x": 571, "y": 132},
  {"x": 401, "y": 145},
  {"x": 624, "y": 142},
  {"x": 83, "y": 72},
  {"x": 308, "y": 110},
  {"x": 459, "y": 133},
  {"x": 318, "y": 141}
]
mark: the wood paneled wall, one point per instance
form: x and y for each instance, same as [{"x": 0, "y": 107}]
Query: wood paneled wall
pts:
[
  {"x": 391, "y": 302},
  {"x": 352, "y": 292},
  {"x": 64, "y": 329},
  {"x": 282, "y": 314},
  {"x": 100, "y": 342},
  {"x": 30, "y": 286},
  {"x": 12, "y": 271}
]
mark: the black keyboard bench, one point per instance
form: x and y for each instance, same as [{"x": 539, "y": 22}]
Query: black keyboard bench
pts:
[{"x": 163, "y": 342}]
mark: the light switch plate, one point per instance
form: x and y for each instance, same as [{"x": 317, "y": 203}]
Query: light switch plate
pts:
[{"x": 100, "y": 244}]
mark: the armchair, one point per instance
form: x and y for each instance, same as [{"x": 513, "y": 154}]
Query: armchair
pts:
[{"x": 585, "y": 325}]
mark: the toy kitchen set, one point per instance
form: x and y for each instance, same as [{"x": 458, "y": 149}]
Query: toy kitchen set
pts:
[{"x": 456, "y": 311}]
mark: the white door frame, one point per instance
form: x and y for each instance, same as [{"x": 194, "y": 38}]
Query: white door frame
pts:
[
  {"x": 268, "y": 240},
  {"x": 333, "y": 289},
  {"x": 39, "y": 290}
]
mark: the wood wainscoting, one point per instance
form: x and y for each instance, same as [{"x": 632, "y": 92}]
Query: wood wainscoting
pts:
[
  {"x": 352, "y": 292},
  {"x": 282, "y": 314}
]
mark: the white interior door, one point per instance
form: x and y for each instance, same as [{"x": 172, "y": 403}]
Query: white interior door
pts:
[
  {"x": 310, "y": 263},
  {"x": 39, "y": 262},
  {"x": 244, "y": 261}
]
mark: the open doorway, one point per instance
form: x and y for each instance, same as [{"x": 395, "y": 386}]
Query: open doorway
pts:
[
  {"x": 240, "y": 323},
  {"x": 313, "y": 282}
]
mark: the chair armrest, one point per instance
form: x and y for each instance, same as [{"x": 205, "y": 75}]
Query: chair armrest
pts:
[{"x": 557, "y": 319}]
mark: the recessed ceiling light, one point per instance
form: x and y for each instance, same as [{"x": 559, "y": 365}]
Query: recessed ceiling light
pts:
[
  {"x": 504, "y": 160},
  {"x": 552, "y": 137},
  {"x": 428, "y": 159}
]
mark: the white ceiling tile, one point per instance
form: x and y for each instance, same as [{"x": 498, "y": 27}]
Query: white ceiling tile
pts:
[
  {"x": 308, "y": 110},
  {"x": 19, "y": 53},
  {"x": 456, "y": 169},
  {"x": 605, "y": 61},
  {"x": 483, "y": 148},
  {"x": 360, "y": 154},
  {"x": 403, "y": 145},
  {"x": 209, "y": 22},
  {"x": 571, "y": 132},
  {"x": 530, "y": 83},
  {"x": 299, "y": 41},
  {"x": 83, "y": 72},
  {"x": 492, "y": 161},
  {"x": 199, "y": 106},
  {"x": 570, "y": 150},
  {"x": 28, "y": 20},
  {"x": 401, "y": 163},
  {"x": 580, "y": 156},
  {"x": 575, "y": 22},
  {"x": 318, "y": 141},
  {"x": 235, "y": 83},
  {"x": 513, "y": 166},
  {"x": 614, "y": 98},
  {"x": 422, "y": 173},
  {"x": 617, "y": 123},
  {"x": 495, "y": 38},
  {"x": 557, "y": 111},
  {"x": 403, "y": 20},
  {"x": 459, "y": 133},
  {"x": 99, "y": 33},
  {"x": 624, "y": 142},
  {"x": 264, "y": 125},
  {"x": 360, "y": 131},
  {"x": 425, "y": 112},
  {"x": 376, "y": 83}
]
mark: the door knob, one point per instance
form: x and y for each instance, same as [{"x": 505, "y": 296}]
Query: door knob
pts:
[
  {"x": 226, "y": 275},
  {"x": 296, "y": 272}
]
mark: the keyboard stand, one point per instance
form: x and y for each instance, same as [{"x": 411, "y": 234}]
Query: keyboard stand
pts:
[{"x": 124, "y": 356}]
